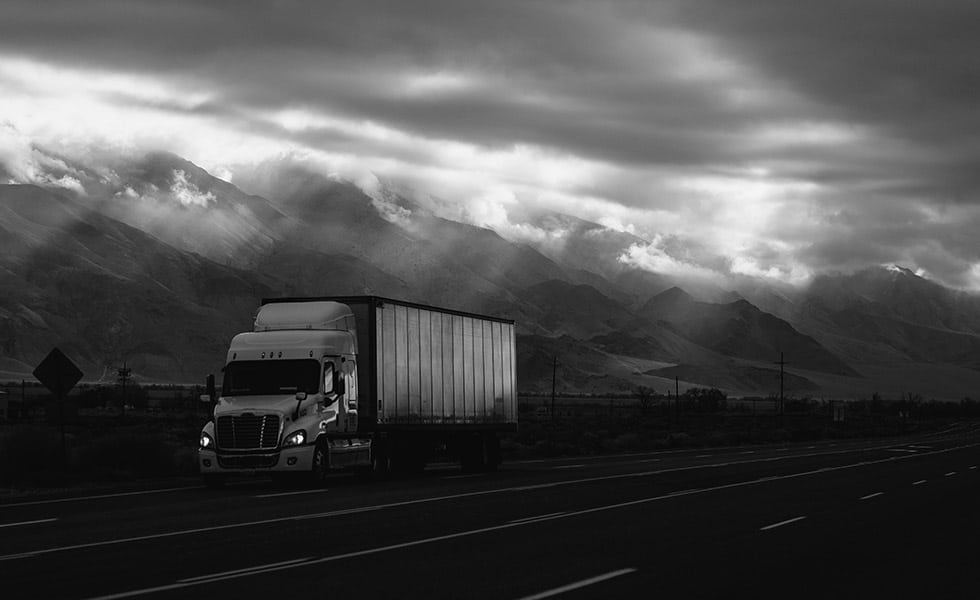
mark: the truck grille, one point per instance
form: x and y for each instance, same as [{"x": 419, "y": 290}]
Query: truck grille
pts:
[
  {"x": 248, "y": 461},
  {"x": 248, "y": 432}
]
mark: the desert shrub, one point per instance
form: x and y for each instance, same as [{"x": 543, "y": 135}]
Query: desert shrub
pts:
[
  {"x": 780, "y": 435},
  {"x": 680, "y": 440},
  {"x": 27, "y": 451},
  {"x": 628, "y": 441},
  {"x": 130, "y": 454}
]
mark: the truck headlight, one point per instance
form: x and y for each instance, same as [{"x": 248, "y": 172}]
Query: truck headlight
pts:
[
  {"x": 296, "y": 438},
  {"x": 207, "y": 442}
]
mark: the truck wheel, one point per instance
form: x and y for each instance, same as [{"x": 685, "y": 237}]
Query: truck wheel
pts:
[
  {"x": 471, "y": 454},
  {"x": 491, "y": 452},
  {"x": 321, "y": 462},
  {"x": 380, "y": 462}
]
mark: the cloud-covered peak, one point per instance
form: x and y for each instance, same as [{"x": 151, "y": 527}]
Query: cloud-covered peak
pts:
[{"x": 787, "y": 138}]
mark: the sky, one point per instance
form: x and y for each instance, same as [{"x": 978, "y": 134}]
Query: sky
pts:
[{"x": 775, "y": 138}]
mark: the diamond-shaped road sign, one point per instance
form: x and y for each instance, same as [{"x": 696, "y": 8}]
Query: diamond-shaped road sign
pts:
[{"x": 58, "y": 373}]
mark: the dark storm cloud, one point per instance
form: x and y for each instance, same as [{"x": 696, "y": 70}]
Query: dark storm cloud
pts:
[
  {"x": 871, "y": 103},
  {"x": 552, "y": 74}
]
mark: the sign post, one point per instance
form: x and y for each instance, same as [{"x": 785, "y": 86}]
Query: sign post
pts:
[{"x": 59, "y": 374}]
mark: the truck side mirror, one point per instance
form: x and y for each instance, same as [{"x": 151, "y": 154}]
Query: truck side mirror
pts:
[
  {"x": 205, "y": 398},
  {"x": 210, "y": 391},
  {"x": 338, "y": 383}
]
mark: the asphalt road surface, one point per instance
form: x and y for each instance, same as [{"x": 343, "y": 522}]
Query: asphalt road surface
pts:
[{"x": 871, "y": 519}]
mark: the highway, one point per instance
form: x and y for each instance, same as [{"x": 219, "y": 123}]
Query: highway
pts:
[{"x": 848, "y": 519}]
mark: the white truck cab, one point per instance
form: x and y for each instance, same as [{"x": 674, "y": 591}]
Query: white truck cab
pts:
[{"x": 288, "y": 400}]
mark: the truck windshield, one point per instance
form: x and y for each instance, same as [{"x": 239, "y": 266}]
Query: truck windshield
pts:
[{"x": 259, "y": 377}]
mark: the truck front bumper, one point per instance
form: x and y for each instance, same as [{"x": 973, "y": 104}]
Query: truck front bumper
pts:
[{"x": 290, "y": 460}]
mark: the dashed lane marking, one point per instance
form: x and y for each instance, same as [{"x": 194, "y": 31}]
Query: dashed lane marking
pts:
[
  {"x": 291, "y": 493},
  {"x": 919, "y": 482},
  {"x": 34, "y": 522},
  {"x": 874, "y": 495},
  {"x": 781, "y": 523},
  {"x": 578, "y": 584},
  {"x": 245, "y": 571},
  {"x": 537, "y": 518}
]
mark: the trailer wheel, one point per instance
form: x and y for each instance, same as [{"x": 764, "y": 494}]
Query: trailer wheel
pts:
[
  {"x": 321, "y": 461},
  {"x": 380, "y": 460},
  {"x": 491, "y": 452},
  {"x": 471, "y": 453}
]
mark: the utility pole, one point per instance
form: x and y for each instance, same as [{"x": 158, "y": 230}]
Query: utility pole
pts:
[
  {"x": 554, "y": 379},
  {"x": 123, "y": 376},
  {"x": 677, "y": 401},
  {"x": 781, "y": 363}
]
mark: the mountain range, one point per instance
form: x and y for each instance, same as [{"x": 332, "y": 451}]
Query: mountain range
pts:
[{"x": 158, "y": 263}]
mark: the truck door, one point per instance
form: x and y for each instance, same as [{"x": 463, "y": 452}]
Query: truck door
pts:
[{"x": 349, "y": 373}]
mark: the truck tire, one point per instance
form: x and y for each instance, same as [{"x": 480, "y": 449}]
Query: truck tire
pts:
[
  {"x": 406, "y": 456},
  {"x": 491, "y": 452},
  {"x": 380, "y": 461},
  {"x": 471, "y": 453},
  {"x": 321, "y": 462}
]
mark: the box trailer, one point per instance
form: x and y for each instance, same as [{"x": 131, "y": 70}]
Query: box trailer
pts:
[{"x": 361, "y": 381}]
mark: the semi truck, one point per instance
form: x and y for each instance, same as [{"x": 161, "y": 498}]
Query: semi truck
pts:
[{"x": 360, "y": 382}]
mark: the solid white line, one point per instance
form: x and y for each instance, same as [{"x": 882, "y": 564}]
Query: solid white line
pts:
[
  {"x": 290, "y": 493},
  {"x": 900, "y": 450},
  {"x": 870, "y": 496},
  {"x": 919, "y": 482},
  {"x": 703, "y": 456},
  {"x": 781, "y": 523},
  {"x": 951, "y": 473},
  {"x": 101, "y": 496},
  {"x": 469, "y": 476},
  {"x": 27, "y": 522},
  {"x": 471, "y": 532},
  {"x": 527, "y": 519},
  {"x": 648, "y": 460},
  {"x": 578, "y": 584},
  {"x": 202, "y": 578},
  {"x": 505, "y": 490},
  {"x": 748, "y": 452},
  {"x": 567, "y": 466}
]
